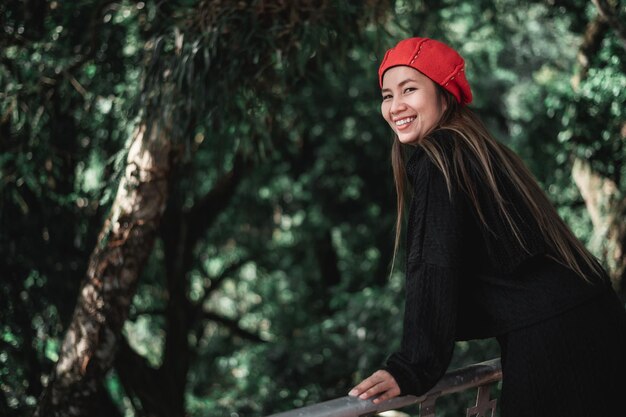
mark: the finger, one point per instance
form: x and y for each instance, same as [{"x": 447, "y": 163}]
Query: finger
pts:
[
  {"x": 362, "y": 387},
  {"x": 376, "y": 389},
  {"x": 365, "y": 384},
  {"x": 384, "y": 382},
  {"x": 387, "y": 395}
]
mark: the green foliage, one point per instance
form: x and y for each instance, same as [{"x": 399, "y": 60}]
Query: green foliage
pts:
[
  {"x": 297, "y": 263},
  {"x": 66, "y": 84}
]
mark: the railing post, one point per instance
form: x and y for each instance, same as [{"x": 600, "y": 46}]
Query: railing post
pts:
[
  {"x": 484, "y": 403},
  {"x": 427, "y": 407}
]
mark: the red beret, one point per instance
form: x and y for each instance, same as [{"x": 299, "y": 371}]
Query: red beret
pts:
[{"x": 434, "y": 59}]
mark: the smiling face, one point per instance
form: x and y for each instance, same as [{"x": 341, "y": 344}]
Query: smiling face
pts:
[{"x": 410, "y": 104}]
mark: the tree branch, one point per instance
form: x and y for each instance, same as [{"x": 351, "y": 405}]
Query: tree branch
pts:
[
  {"x": 612, "y": 18},
  {"x": 217, "y": 281},
  {"x": 206, "y": 210},
  {"x": 233, "y": 326},
  {"x": 141, "y": 380},
  {"x": 180, "y": 234},
  {"x": 592, "y": 41}
]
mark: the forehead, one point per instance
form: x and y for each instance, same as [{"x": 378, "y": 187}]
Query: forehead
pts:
[{"x": 396, "y": 75}]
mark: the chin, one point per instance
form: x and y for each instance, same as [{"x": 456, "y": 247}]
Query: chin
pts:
[{"x": 408, "y": 139}]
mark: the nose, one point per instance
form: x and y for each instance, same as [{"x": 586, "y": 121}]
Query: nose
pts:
[{"x": 397, "y": 106}]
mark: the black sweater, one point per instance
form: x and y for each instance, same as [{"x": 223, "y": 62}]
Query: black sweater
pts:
[{"x": 465, "y": 282}]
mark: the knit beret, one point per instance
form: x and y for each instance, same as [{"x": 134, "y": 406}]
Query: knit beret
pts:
[{"x": 434, "y": 59}]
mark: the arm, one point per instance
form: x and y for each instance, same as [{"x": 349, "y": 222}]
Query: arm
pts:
[
  {"x": 428, "y": 332},
  {"x": 435, "y": 243}
]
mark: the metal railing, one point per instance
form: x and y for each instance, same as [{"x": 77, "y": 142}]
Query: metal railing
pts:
[{"x": 482, "y": 375}]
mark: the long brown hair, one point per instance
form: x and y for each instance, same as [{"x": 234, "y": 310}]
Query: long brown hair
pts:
[{"x": 474, "y": 137}]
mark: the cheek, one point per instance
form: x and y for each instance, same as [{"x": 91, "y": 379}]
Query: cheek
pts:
[{"x": 384, "y": 111}]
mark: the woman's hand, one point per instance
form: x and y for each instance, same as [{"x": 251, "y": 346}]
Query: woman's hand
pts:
[{"x": 380, "y": 382}]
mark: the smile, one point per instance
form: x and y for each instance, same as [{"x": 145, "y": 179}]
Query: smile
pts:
[{"x": 404, "y": 121}]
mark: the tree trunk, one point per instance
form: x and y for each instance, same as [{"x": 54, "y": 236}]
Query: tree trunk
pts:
[
  {"x": 114, "y": 268},
  {"x": 604, "y": 201},
  {"x": 607, "y": 209}
]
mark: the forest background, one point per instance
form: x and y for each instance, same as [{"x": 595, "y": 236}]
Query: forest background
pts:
[{"x": 197, "y": 205}]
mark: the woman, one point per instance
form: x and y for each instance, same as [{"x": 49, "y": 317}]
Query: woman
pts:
[{"x": 488, "y": 256}]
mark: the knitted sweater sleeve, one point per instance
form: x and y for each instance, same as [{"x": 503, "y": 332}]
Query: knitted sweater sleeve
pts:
[{"x": 436, "y": 238}]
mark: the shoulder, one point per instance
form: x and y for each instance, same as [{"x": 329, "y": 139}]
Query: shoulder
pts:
[
  {"x": 441, "y": 144},
  {"x": 421, "y": 155},
  {"x": 445, "y": 139},
  {"x": 441, "y": 154}
]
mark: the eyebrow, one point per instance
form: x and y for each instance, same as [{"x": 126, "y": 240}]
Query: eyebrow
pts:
[{"x": 400, "y": 84}]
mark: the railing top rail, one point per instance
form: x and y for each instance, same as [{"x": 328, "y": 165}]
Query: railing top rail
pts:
[{"x": 454, "y": 381}]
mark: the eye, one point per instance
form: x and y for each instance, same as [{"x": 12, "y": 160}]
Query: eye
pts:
[
  {"x": 386, "y": 96},
  {"x": 409, "y": 89}
]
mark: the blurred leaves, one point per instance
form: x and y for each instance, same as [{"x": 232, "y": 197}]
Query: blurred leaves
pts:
[{"x": 292, "y": 277}]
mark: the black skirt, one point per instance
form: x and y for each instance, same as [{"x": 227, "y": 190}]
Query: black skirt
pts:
[{"x": 573, "y": 364}]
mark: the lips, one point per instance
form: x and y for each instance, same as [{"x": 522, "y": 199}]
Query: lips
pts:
[{"x": 404, "y": 122}]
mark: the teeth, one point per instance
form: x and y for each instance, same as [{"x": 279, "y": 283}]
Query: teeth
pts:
[{"x": 404, "y": 121}]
